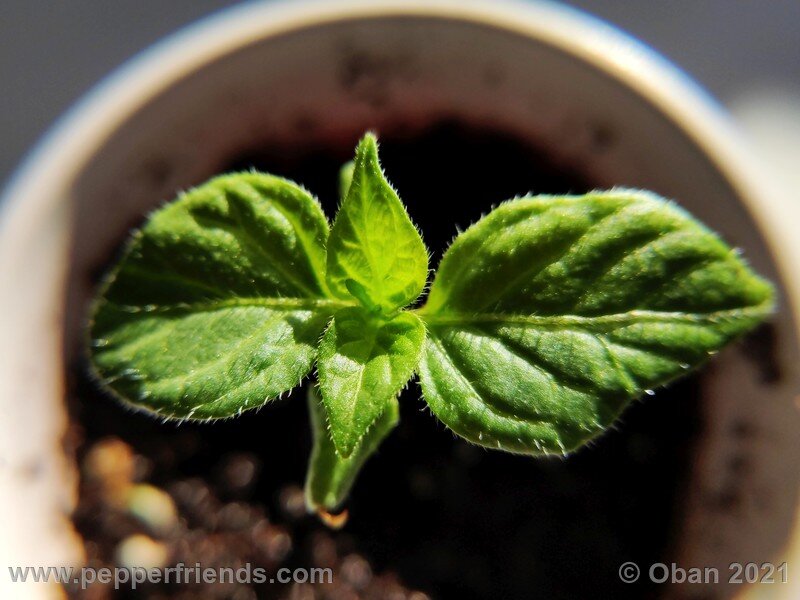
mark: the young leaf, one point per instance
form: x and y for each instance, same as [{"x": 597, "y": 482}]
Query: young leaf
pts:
[
  {"x": 364, "y": 361},
  {"x": 375, "y": 253},
  {"x": 218, "y": 302},
  {"x": 330, "y": 476},
  {"x": 345, "y": 177},
  {"x": 550, "y": 314}
]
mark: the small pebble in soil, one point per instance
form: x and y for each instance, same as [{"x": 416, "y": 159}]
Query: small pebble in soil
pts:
[
  {"x": 110, "y": 466},
  {"x": 356, "y": 571},
  {"x": 234, "y": 516},
  {"x": 237, "y": 472},
  {"x": 292, "y": 501},
  {"x": 272, "y": 540},
  {"x": 153, "y": 507},
  {"x": 197, "y": 503},
  {"x": 141, "y": 551},
  {"x": 323, "y": 550}
]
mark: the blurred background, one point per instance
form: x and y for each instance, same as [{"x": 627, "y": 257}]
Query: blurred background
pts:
[{"x": 745, "y": 52}]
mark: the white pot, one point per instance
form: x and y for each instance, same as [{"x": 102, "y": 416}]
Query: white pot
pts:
[{"x": 310, "y": 71}]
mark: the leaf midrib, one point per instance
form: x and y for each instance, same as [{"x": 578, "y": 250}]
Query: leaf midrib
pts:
[
  {"x": 288, "y": 304},
  {"x": 624, "y": 318}
]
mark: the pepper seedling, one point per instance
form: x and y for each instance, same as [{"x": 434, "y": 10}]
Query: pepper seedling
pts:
[{"x": 544, "y": 320}]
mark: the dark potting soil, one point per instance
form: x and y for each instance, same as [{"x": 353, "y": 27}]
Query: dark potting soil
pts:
[{"x": 430, "y": 515}]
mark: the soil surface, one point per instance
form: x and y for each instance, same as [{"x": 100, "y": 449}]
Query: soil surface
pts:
[{"x": 430, "y": 516}]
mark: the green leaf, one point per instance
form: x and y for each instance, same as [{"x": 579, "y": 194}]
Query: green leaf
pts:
[
  {"x": 218, "y": 302},
  {"x": 345, "y": 177},
  {"x": 550, "y": 314},
  {"x": 330, "y": 476},
  {"x": 364, "y": 361},
  {"x": 374, "y": 247}
]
